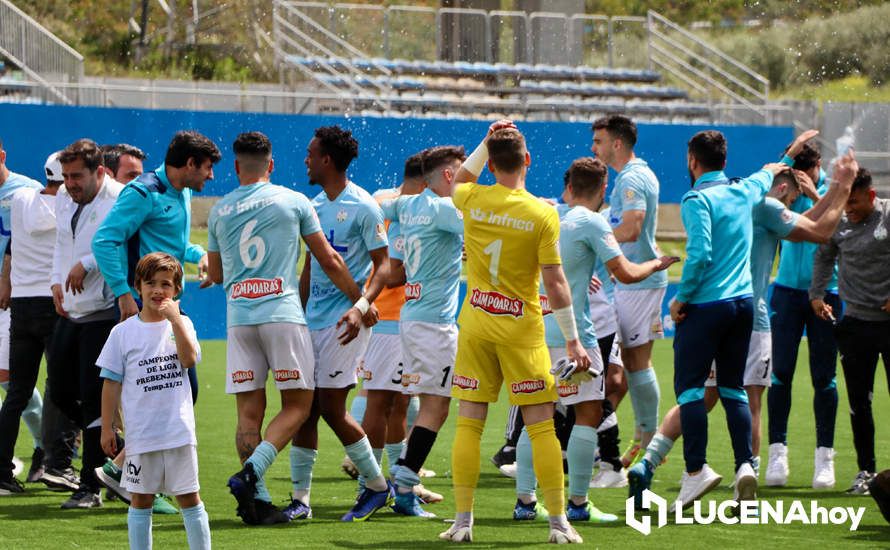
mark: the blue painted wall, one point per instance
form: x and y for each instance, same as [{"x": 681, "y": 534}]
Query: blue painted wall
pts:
[{"x": 30, "y": 132}]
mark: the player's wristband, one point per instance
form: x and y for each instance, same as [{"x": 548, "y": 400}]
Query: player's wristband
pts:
[
  {"x": 362, "y": 304},
  {"x": 477, "y": 159},
  {"x": 565, "y": 318}
]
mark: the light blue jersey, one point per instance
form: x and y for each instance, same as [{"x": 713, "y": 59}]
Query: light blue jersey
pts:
[
  {"x": 584, "y": 238},
  {"x": 717, "y": 216},
  {"x": 636, "y": 188},
  {"x": 601, "y": 272},
  {"x": 772, "y": 222},
  {"x": 796, "y": 259},
  {"x": 256, "y": 229},
  {"x": 353, "y": 224},
  {"x": 13, "y": 183},
  {"x": 432, "y": 230}
]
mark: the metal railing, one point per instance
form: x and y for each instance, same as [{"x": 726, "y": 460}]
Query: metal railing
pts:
[
  {"x": 38, "y": 52},
  {"x": 707, "y": 71}
]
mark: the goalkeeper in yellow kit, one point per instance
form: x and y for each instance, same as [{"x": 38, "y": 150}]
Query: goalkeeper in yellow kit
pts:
[{"x": 510, "y": 238}]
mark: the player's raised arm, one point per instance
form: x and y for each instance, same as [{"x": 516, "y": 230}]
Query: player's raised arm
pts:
[
  {"x": 628, "y": 272},
  {"x": 819, "y": 222}
]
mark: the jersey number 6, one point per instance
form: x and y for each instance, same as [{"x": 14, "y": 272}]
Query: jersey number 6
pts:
[{"x": 246, "y": 242}]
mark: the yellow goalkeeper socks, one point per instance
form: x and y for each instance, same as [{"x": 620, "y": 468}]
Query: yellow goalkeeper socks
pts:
[
  {"x": 547, "y": 457},
  {"x": 465, "y": 456}
]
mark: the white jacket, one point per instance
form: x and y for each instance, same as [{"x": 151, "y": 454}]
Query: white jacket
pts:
[
  {"x": 33, "y": 237},
  {"x": 70, "y": 249}
]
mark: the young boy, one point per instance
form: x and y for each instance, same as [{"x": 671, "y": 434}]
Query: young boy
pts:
[{"x": 145, "y": 359}]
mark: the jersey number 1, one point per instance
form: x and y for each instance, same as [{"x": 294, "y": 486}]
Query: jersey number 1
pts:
[
  {"x": 494, "y": 250},
  {"x": 246, "y": 242}
]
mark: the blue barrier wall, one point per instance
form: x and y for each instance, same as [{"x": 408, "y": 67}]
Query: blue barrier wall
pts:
[{"x": 30, "y": 132}]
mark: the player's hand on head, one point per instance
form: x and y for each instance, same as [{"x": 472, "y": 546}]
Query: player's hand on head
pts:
[
  {"x": 351, "y": 323},
  {"x": 799, "y": 142},
  {"x": 807, "y": 187},
  {"x": 370, "y": 318},
  {"x": 776, "y": 168},
  {"x": 500, "y": 125},
  {"x": 74, "y": 282}
]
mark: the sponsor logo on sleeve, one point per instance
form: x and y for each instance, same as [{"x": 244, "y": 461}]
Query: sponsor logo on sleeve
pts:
[
  {"x": 257, "y": 288},
  {"x": 412, "y": 291},
  {"x": 786, "y": 216},
  {"x": 495, "y": 303},
  {"x": 464, "y": 382},
  {"x": 528, "y": 386},
  {"x": 240, "y": 376},
  {"x": 380, "y": 232},
  {"x": 287, "y": 374},
  {"x": 629, "y": 194},
  {"x": 610, "y": 240}
]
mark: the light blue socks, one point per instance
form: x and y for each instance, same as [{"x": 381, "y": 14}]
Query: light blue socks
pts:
[
  {"x": 363, "y": 457},
  {"x": 644, "y": 396},
  {"x": 301, "y": 462},
  {"x": 263, "y": 457},
  {"x": 197, "y": 527},
  {"x": 139, "y": 528},
  {"x": 525, "y": 469},
  {"x": 357, "y": 409},
  {"x": 580, "y": 452}
]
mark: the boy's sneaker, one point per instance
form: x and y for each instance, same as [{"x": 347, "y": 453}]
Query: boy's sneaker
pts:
[
  {"x": 607, "y": 477},
  {"x": 243, "y": 486},
  {"x": 508, "y": 470},
  {"x": 61, "y": 479},
  {"x": 407, "y": 504},
  {"x": 458, "y": 533},
  {"x": 349, "y": 468},
  {"x": 109, "y": 476},
  {"x": 11, "y": 486},
  {"x": 588, "y": 512},
  {"x": 823, "y": 474},
  {"x": 268, "y": 514},
  {"x": 35, "y": 472},
  {"x": 860, "y": 484},
  {"x": 427, "y": 496},
  {"x": 565, "y": 534},
  {"x": 639, "y": 478},
  {"x": 162, "y": 505},
  {"x": 503, "y": 457},
  {"x": 368, "y": 502},
  {"x": 528, "y": 512},
  {"x": 83, "y": 498},
  {"x": 296, "y": 510},
  {"x": 777, "y": 467},
  {"x": 694, "y": 487},
  {"x": 426, "y": 473}
]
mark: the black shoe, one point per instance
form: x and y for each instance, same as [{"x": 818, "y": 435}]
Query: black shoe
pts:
[
  {"x": 83, "y": 498},
  {"x": 11, "y": 486},
  {"x": 35, "y": 473},
  {"x": 243, "y": 487},
  {"x": 504, "y": 457},
  {"x": 267, "y": 513},
  {"x": 61, "y": 479}
]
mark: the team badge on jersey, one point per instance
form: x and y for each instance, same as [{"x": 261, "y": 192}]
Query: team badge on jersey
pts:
[
  {"x": 786, "y": 215},
  {"x": 629, "y": 194},
  {"x": 528, "y": 386},
  {"x": 610, "y": 240},
  {"x": 342, "y": 215},
  {"x": 380, "y": 231},
  {"x": 495, "y": 303}
]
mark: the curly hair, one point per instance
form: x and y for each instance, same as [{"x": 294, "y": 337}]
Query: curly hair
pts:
[{"x": 338, "y": 144}]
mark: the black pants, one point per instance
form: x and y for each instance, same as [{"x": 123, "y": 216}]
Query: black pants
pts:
[
  {"x": 59, "y": 433},
  {"x": 860, "y": 343},
  {"x": 31, "y": 327},
  {"x": 77, "y": 387}
]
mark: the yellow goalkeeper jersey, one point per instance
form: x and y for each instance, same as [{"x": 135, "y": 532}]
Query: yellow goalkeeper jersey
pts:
[{"x": 509, "y": 235}]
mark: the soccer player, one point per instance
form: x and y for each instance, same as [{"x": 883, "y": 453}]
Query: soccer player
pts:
[
  {"x": 585, "y": 238},
  {"x": 22, "y": 398},
  {"x": 714, "y": 311},
  {"x": 253, "y": 250},
  {"x": 382, "y": 366},
  {"x": 512, "y": 239},
  {"x": 791, "y": 314},
  {"x": 142, "y": 364},
  {"x": 432, "y": 229},
  {"x": 633, "y": 215},
  {"x": 772, "y": 221},
  {"x": 861, "y": 248},
  {"x": 353, "y": 224}
]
